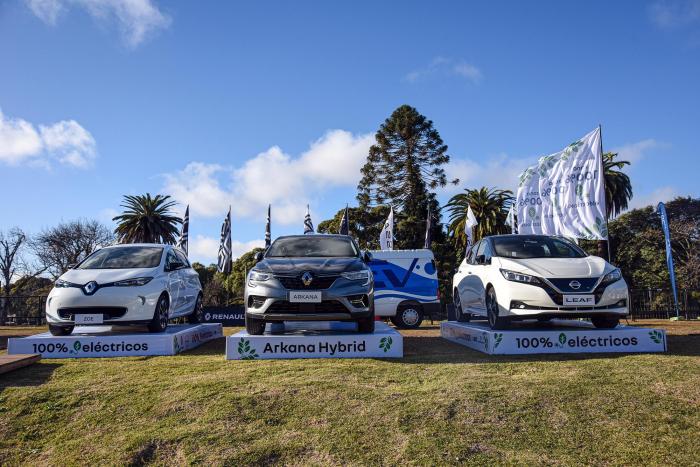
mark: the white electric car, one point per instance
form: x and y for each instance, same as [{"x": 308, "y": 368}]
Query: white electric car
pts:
[
  {"x": 517, "y": 277},
  {"x": 126, "y": 284}
]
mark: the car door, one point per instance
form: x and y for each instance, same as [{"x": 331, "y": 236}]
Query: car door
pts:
[
  {"x": 481, "y": 270},
  {"x": 466, "y": 274},
  {"x": 189, "y": 288},
  {"x": 174, "y": 282}
]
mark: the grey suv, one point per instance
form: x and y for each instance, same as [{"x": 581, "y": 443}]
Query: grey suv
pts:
[{"x": 310, "y": 278}]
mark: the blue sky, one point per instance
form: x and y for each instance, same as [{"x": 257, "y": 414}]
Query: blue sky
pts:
[{"x": 220, "y": 103}]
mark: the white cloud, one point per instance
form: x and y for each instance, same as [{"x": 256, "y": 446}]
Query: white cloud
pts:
[
  {"x": 635, "y": 152},
  {"x": 206, "y": 249},
  {"x": 666, "y": 193},
  {"x": 136, "y": 18},
  {"x": 66, "y": 141},
  {"x": 670, "y": 14},
  {"x": 287, "y": 182},
  {"x": 444, "y": 66},
  {"x": 500, "y": 171}
]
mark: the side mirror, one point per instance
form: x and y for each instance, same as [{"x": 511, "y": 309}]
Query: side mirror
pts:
[
  {"x": 366, "y": 256},
  {"x": 481, "y": 259},
  {"x": 72, "y": 266},
  {"x": 174, "y": 266},
  {"x": 258, "y": 256}
]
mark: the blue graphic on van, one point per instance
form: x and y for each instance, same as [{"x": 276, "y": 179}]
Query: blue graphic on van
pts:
[{"x": 407, "y": 283}]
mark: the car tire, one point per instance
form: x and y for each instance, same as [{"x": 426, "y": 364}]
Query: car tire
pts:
[
  {"x": 161, "y": 316},
  {"x": 460, "y": 316},
  {"x": 601, "y": 322},
  {"x": 57, "y": 330},
  {"x": 197, "y": 315},
  {"x": 408, "y": 317},
  {"x": 254, "y": 327},
  {"x": 366, "y": 325},
  {"x": 492, "y": 311}
]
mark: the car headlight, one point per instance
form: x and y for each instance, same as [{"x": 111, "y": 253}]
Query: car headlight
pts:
[
  {"x": 258, "y": 276},
  {"x": 61, "y": 284},
  {"x": 133, "y": 282},
  {"x": 613, "y": 276},
  {"x": 357, "y": 276},
  {"x": 520, "y": 277}
]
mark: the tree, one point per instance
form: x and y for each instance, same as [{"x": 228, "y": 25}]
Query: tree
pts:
[
  {"x": 618, "y": 191},
  {"x": 490, "y": 207},
  {"x": 11, "y": 244},
  {"x": 365, "y": 224},
  {"x": 235, "y": 282},
  {"x": 402, "y": 167},
  {"x": 57, "y": 248},
  {"x": 147, "y": 219}
]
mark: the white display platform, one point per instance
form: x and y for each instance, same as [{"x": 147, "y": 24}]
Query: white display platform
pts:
[
  {"x": 315, "y": 339},
  {"x": 557, "y": 336},
  {"x": 122, "y": 341}
]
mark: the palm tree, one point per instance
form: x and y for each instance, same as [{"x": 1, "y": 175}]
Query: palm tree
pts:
[
  {"x": 618, "y": 191},
  {"x": 147, "y": 219},
  {"x": 490, "y": 207}
]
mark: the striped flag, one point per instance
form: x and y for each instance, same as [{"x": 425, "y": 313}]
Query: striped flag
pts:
[
  {"x": 268, "y": 234},
  {"x": 428, "y": 230},
  {"x": 308, "y": 225},
  {"x": 511, "y": 220},
  {"x": 345, "y": 223},
  {"x": 386, "y": 238},
  {"x": 469, "y": 223},
  {"x": 182, "y": 241},
  {"x": 225, "y": 246}
]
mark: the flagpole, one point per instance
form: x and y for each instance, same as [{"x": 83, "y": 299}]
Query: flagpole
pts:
[{"x": 605, "y": 191}]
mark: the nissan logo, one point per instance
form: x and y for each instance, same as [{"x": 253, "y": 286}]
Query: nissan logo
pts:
[
  {"x": 575, "y": 285},
  {"x": 307, "y": 278}
]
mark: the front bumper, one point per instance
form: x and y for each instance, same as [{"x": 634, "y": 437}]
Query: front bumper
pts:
[
  {"x": 118, "y": 305},
  {"x": 269, "y": 301}
]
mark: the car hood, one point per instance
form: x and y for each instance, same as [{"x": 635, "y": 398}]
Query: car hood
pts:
[
  {"x": 103, "y": 276},
  {"x": 320, "y": 266},
  {"x": 590, "y": 266}
]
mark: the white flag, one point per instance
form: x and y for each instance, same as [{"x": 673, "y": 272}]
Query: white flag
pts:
[
  {"x": 308, "y": 225},
  {"x": 469, "y": 223},
  {"x": 386, "y": 238},
  {"x": 511, "y": 219},
  {"x": 564, "y": 194}
]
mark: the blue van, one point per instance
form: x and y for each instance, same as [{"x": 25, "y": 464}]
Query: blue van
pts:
[{"x": 405, "y": 286}]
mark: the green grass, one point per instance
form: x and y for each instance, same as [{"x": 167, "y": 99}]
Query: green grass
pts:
[{"x": 442, "y": 404}]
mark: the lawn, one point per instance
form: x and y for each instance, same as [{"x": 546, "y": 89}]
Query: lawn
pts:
[{"x": 441, "y": 404}]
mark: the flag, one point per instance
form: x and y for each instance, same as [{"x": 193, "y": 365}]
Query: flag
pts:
[
  {"x": 564, "y": 194},
  {"x": 428, "y": 229},
  {"x": 268, "y": 234},
  {"x": 184, "y": 234},
  {"x": 308, "y": 226},
  {"x": 469, "y": 223},
  {"x": 511, "y": 220},
  {"x": 661, "y": 209},
  {"x": 345, "y": 223},
  {"x": 386, "y": 238},
  {"x": 225, "y": 245}
]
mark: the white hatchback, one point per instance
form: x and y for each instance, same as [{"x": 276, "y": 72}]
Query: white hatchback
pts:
[
  {"x": 123, "y": 285},
  {"x": 517, "y": 277}
]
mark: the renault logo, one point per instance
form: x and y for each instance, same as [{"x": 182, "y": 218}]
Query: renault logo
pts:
[
  {"x": 90, "y": 288},
  {"x": 575, "y": 285},
  {"x": 307, "y": 278}
]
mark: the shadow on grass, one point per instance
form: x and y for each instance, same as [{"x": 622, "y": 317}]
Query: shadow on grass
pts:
[{"x": 33, "y": 375}]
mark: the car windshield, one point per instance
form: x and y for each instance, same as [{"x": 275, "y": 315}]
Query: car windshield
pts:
[
  {"x": 128, "y": 257},
  {"x": 524, "y": 246},
  {"x": 312, "y": 246}
]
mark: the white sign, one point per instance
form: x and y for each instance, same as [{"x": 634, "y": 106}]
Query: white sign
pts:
[
  {"x": 305, "y": 296},
  {"x": 564, "y": 194},
  {"x": 316, "y": 340},
  {"x": 579, "y": 300},
  {"x": 103, "y": 342},
  {"x": 88, "y": 318},
  {"x": 565, "y": 337}
]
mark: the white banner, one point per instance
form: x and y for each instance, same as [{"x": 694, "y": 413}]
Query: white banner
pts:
[
  {"x": 564, "y": 194},
  {"x": 386, "y": 238}
]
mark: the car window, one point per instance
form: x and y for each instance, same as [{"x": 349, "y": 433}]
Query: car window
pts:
[
  {"x": 487, "y": 249},
  {"x": 123, "y": 257},
  {"x": 170, "y": 259},
  {"x": 183, "y": 259},
  {"x": 535, "y": 246},
  {"x": 312, "y": 246},
  {"x": 471, "y": 259},
  {"x": 480, "y": 250}
]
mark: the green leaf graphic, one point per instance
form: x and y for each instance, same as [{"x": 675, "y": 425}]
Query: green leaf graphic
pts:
[{"x": 562, "y": 338}]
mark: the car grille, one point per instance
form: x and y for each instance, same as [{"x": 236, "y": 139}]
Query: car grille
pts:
[
  {"x": 295, "y": 282},
  {"x": 108, "y": 312},
  {"x": 326, "y": 306},
  {"x": 587, "y": 284}
]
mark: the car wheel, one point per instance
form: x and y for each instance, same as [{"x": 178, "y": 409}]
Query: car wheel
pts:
[
  {"x": 408, "y": 317},
  {"x": 197, "y": 316},
  {"x": 56, "y": 330},
  {"x": 161, "y": 315},
  {"x": 366, "y": 325},
  {"x": 254, "y": 327},
  {"x": 495, "y": 321},
  {"x": 601, "y": 322},
  {"x": 460, "y": 315}
]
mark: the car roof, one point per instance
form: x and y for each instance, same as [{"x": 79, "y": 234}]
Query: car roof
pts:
[
  {"x": 315, "y": 235},
  {"x": 123, "y": 245}
]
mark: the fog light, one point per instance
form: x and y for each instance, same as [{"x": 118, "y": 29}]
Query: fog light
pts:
[
  {"x": 255, "y": 301},
  {"x": 621, "y": 303},
  {"x": 517, "y": 305},
  {"x": 359, "y": 301}
]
